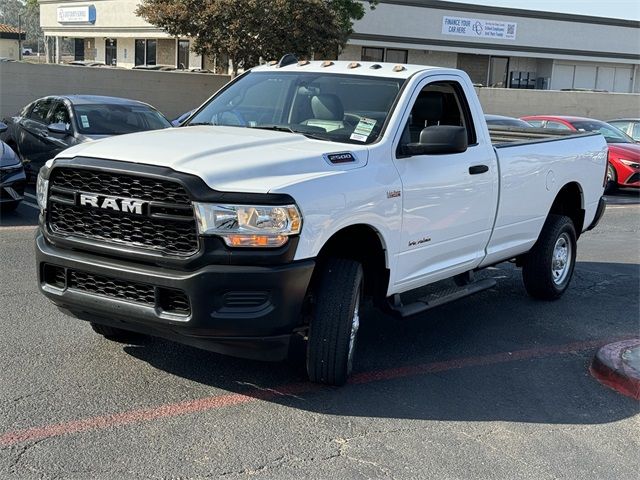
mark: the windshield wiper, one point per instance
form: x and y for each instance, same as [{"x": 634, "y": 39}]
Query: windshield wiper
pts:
[
  {"x": 284, "y": 128},
  {"x": 277, "y": 128},
  {"x": 195, "y": 124}
]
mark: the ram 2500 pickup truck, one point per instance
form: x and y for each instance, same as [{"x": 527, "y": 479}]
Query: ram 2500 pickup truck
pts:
[{"x": 298, "y": 190}]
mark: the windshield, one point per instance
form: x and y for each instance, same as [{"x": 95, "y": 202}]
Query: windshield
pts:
[
  {"x": 611, "y": 134},
  {"x": 334, "y": 107},
  {"x": 95, "y": 119}
]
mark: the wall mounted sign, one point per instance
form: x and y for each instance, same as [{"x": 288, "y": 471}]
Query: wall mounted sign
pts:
[
  {"x": 83, "y": 14},
  {"x": 474, "y": 27}
]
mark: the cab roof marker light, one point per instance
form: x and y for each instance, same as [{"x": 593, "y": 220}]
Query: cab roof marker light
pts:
[
  {"x": 302, "y": 63},
  {"x": 273, "y": 62},
  {"x": 353, "y": 65},
  {"x": 375, "y": 66},
  {"x": 399, "y": 68},
  {"x": 327, "y": 63}
]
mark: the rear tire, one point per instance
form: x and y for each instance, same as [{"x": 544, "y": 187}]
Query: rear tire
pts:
[
  {"x": 549, "y": 265},
  {"x": 113, "y": 333},
  {"x": 612, "y": 179},
  {"x": 335, "y": 322}
]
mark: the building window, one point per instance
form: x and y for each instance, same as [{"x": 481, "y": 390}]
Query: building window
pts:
[
  {"x": 183, "y": 54},
  {"x": 370, "y": 54},
  {"x": 139, "y": 55},
  {"x": 151, "y": 52},
  {"x": 397, "y": 56}
]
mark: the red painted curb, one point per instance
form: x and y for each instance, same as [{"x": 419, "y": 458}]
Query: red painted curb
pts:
[{"x": 610, "y": 368}]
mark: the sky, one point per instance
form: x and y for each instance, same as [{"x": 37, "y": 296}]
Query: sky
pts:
[{"x": 627, "y": 9}]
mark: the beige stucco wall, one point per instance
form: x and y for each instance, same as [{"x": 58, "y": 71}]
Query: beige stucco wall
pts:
[
  {"x": 173, "y": 93},
  {"x": 517, "y": 103},
  {"x": 9, "y": 48}
]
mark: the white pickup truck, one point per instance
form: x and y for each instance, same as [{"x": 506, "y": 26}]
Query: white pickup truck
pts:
[{"x": 296, "y": 191}]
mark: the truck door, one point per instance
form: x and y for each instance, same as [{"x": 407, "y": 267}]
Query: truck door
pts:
[{"x": 449, "y": 201}]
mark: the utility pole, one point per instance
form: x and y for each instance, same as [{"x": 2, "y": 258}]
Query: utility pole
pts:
[{"x": 19, "y": 36}]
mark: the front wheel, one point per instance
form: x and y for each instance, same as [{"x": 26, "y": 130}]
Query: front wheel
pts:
[
  {"x": 548, "y": 267},
  {"x": 335, "y": 322}
]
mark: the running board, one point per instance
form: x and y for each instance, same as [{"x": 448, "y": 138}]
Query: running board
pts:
[{"x": 442, "y": 297}]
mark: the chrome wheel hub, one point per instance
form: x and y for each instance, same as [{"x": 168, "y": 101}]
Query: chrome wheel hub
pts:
[{"x": 561, "y": 261}]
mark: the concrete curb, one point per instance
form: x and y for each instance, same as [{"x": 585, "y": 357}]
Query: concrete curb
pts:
[{"x": 617, "y": 365}]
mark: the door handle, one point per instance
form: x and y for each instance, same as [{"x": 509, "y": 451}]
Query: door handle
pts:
[{"x": 478, "y": 169}]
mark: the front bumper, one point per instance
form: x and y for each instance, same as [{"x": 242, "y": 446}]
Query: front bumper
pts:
[
  {"x": 12, "y": 183},
  {"x": 246, "y": 311}
]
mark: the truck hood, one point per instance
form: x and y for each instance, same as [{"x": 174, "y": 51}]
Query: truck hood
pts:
[{"x": 227, "y": 158}]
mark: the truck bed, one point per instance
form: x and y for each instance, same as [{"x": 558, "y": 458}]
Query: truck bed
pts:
[{"x": 502, "y": 136}]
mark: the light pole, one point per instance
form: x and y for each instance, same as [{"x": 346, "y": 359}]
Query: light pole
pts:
[{"x": 19, "y": 36}]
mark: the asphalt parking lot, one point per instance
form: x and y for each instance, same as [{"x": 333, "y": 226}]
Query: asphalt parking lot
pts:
[{"x": 493, "y": 386}]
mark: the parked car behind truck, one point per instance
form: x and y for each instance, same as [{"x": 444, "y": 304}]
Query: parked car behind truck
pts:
[
  {"x": 296, "y": 191},
  {"x": 623, "y": 169},
  {"x": 51, "y": 124}
]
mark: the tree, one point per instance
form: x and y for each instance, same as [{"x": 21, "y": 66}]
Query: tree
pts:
[
  {"x": 29, "y": 12},
  {"x": 246, "y": 31}
]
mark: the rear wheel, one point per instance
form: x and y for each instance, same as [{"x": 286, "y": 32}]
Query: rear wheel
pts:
[
  {"x": 335, "y": 322},
  {"x": 548, "y": 267}
]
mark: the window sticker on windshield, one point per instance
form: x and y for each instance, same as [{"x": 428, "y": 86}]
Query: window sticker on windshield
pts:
[
  {"x": 363, "y": 129},
  {"x": 85, "y": 121}
]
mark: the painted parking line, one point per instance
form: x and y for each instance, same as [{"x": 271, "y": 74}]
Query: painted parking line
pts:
[{"x": 255, "y": 394}]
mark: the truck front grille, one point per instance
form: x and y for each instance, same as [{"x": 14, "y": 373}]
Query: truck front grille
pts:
[{"x": 166, "y": 226}]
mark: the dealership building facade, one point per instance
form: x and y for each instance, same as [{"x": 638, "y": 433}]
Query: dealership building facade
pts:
[{"x": 497, "y": 47}]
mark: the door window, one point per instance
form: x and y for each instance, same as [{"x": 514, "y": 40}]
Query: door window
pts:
[
  {"x": 111, "y": 51},
  {"x": 439, "y": 103},
  {"x": 183, "y": 54},
  {"x": 151, "y": 52},
  {"x": 556, "y": 125},
  {"x": 59, "y": 114},
  {"x": 535, "y": 123},
  {"x": 40, "y": 110},
  {"x": 139, "y": 54}
]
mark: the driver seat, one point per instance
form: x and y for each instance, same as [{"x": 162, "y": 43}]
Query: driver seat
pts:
[{"x": 328, "y": 112}]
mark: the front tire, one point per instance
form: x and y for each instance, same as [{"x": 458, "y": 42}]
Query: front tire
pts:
[
  {"x": 548, "y": 267},
  {"x": 335, "y": 322}
]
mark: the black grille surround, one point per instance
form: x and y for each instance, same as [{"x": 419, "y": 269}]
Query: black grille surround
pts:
[{"x": 167, "y": 227}]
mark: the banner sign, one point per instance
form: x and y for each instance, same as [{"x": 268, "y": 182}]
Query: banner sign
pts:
[
  {"x": 474, "y": 27},
  {"x": 84, "y": 14}
]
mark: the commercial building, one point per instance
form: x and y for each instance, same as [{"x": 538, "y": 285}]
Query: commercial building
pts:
[
  {"x": 10, "y": 41},
  {"x": 497, "y": 47},
  {"x": 109, "y": 31},
  {"x": 503, "y": 47}
]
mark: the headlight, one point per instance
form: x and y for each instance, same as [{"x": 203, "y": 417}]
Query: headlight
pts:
[
  {"x": 42, "y": 187},
  {"x": 249, "y": 225},
  {"x": 630, "y": 163}
]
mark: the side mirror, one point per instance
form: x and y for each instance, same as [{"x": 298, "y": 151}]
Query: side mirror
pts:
[
  {"x": 3, "y": 127},
  {"x": 439, "y": 140},
  {"x": 59, "y": 128}
]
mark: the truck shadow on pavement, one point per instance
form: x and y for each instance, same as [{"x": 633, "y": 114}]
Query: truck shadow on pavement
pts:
[{"x": 544, "y": 386}]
